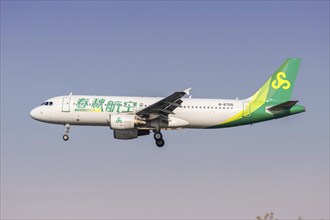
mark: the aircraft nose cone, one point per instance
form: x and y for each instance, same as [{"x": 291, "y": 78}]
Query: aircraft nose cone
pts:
[{"x": 34, "y": 113}]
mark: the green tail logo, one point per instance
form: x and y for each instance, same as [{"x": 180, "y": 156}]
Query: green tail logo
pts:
[
  {"x": 278, "y": 87},
  {"x": 280, "y": 81}
]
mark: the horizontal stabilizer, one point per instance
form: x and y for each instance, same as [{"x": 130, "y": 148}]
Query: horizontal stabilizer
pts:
[{"x": 285, "y": 106}]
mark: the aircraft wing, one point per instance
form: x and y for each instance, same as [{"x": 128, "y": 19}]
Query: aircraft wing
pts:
[{"x": 163, "y": 107}]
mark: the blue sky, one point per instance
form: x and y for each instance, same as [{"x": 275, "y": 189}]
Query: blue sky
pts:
[{"x": 221, "y": 49}]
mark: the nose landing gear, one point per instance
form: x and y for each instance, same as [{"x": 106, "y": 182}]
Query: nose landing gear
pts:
[
  {"x": 66, "y": 130},
  {"x": 159, "y": 139},
  {"x": 65, "y": 137}
]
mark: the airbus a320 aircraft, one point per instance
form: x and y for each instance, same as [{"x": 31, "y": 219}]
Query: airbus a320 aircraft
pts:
[{"x": 131, "y": 117}]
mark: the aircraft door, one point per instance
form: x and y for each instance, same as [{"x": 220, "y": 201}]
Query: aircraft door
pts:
[
  {"x": 66, "y": 104},
  {"x": 246, "y": 110},
  {"x": 141, "y": 106}
]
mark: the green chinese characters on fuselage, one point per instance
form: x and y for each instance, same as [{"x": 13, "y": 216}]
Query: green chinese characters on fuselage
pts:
[{"x": 102, "y": 105}]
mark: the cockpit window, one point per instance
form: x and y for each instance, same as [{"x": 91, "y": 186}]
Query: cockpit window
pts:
[{"x": 47, "y": 103}]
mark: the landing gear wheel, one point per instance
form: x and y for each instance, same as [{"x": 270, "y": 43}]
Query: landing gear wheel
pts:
[
  {"x": 65, "y": 137},
  {"x": 158, "y": 136},
  {"x": 66, "y": 130},
  {"x": 160, "y": 143}
]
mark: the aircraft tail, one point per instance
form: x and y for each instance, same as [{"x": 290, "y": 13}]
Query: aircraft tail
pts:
[{"x": 279, "y": 86}]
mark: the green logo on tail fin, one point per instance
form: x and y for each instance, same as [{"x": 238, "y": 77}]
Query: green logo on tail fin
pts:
[
  {"x": 280, "y": 80},
  {"x": 278, "y": 87}
]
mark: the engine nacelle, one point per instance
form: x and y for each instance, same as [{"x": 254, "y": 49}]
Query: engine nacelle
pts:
[
  {"x": 129, "y": 133},
  {"x": 126, "y": 134},
  {"x": 122, "y": 121}
]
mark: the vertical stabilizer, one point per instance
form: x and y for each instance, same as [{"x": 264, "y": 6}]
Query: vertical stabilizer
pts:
[{"x": 279, "y": 86}]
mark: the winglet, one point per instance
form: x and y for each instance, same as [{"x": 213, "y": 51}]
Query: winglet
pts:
[{"x": 187, "y": 91}]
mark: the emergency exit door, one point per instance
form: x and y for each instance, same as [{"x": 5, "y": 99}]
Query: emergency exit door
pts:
[{"x": 66, "y": 104}]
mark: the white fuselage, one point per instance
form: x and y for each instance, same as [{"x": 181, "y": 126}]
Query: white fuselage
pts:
[
  {"x": 95, "y": 110},
  {"x": 131, "y": 117}
]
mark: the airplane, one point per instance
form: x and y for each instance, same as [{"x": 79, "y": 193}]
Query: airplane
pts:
[{"x": 131, "y": 117}]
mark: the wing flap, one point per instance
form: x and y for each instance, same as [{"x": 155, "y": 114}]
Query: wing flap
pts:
[{"x": 164, "y": 107}]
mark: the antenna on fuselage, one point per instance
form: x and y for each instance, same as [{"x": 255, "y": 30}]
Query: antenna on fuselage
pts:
[{"x": 70, "y": 93}]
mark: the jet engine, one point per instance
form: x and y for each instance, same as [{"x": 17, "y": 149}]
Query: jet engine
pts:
[{"x": 123, "y": 121}]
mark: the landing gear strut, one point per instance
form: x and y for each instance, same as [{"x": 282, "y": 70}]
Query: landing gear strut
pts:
[
  {"x": 159, "y": 139},
  {"x": 66, "y": 130}
]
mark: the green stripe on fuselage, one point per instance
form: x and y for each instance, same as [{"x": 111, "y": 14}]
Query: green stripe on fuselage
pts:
[{"x": 260, "y": 115}]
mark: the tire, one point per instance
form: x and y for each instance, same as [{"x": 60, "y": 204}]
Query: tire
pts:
[
  {"x": 65, "y": 137},
  {"x": 160, "y": 143},
  {"x": 158, "y": 136}
]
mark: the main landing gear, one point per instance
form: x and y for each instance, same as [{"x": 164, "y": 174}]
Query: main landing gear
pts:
[
  {"x": 66, "y": 130},
  {"x": 159, "y": 139}
]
